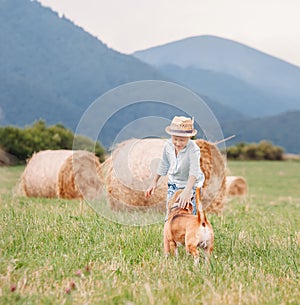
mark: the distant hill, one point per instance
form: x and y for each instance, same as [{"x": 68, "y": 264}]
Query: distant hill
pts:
[
  {"x": 52, "y": 69},
  {"x": 233, "y": 74},
  {"x": 282, "y": 130},
  {"x": 226, "y": 89}
]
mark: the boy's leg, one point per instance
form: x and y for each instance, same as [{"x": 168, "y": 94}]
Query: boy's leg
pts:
[
  {"x": 193, "y": 200},
  {"x": 171, "y": 191}
]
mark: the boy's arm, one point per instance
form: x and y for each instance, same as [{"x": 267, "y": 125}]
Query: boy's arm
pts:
[
  {"x": 161, "y": 171},
  {"x": 150, "y": 191},
  {"x": 185, "y": 196}
]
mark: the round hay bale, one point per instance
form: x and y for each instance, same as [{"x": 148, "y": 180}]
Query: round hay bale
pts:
[
  {"x": 78, "y": 177},
  {"x": 213, "y": 166},
  {"x": 236, "y": 186},
  {"x": 7, "y": 159},
  {"x": 62, "y": 174},
  {"x": 129, "y": 171}
]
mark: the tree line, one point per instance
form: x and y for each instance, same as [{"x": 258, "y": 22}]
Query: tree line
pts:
[{"x": 22, "y": 143}]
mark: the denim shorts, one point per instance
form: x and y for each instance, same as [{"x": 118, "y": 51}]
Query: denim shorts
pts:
[{"x": 172, "y": 188}]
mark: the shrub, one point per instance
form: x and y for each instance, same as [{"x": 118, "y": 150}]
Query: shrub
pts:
[
  {"x": 22, "y": 143},
  {"x": 264, "y": 150}
]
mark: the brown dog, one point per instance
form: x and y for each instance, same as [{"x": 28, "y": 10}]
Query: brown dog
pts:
[
  {"x": 173, "y": 207},
  {"x": 193, "y": 231}
]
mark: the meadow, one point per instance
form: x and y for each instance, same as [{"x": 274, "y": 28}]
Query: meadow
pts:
[{"x": 55, "y": 251}]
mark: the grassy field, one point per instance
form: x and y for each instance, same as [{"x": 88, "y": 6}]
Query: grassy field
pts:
[{"x": 62, "y": 252}]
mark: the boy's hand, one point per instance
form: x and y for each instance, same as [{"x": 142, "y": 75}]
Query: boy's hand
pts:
[
  {"x": 183, "y": 199},
  {"x": 151, "y": 190}
]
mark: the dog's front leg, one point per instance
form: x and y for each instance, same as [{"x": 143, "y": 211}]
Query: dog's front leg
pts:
[
  {"x": 196, "y": 261},
  {"x": 206, "y": 258},
  {"x": 173, "y": 248},
  {"x": 192, "y": 249},
  {"x": 207, "y": 252},
  {"x": 166, "y": 241}
]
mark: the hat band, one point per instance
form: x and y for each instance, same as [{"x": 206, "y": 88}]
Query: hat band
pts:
[{"x": 181, "y": 131}]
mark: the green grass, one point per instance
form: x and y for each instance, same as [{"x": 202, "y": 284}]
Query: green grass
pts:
[
  {"x": 62, "y": 252},
  {"x": 9, "y": 177}
]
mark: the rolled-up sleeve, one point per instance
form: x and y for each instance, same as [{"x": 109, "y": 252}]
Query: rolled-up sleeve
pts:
[{"x": 164, "y": 164}]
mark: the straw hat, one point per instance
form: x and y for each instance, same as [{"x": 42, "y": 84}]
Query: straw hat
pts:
[{"x": 181, "y": 127}]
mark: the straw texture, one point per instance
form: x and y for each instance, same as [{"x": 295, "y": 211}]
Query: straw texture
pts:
[
  {"x": 62, "y": 174},
  {"x": 236, "y": 186},
  {"x": 128, "y": 173},
  {"x": 213, "y": 166}
]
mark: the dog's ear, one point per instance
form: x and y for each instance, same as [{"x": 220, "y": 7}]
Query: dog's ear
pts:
[
  {"x": 176, "y": 196},
  {"x": 173, "y": 200}
]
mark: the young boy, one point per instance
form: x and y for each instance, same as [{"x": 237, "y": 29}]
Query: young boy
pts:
[{"x": 181, "y": 161}]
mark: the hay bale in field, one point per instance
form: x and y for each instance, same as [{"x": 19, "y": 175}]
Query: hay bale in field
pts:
[
  {"x": 7, "y": 159},
  {"x": 62, "y": 174},
  {"x": 3, "y": 158},
  {"x": 129, "y": 171},
  {"x": 236, "y": 186},
  {"x": 213, "y": 166}
]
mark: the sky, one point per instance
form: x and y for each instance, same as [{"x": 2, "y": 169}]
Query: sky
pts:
[{"x": 270, "y": 26}]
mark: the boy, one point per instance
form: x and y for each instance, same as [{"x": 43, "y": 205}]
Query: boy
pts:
[{"x": 181, "y": 161}]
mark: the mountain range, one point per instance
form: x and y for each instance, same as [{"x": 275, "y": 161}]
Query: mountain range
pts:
[
  {"x": 235, "y": 75},
  {"x": 52, "y": 69}
]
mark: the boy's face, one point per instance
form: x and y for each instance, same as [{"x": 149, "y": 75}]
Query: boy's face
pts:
[{"x": 180, "y": 142}]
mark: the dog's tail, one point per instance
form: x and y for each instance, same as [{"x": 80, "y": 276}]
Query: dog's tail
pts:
[
  {"x": 199, "y": 206},
  {"x": 198, "y": 203}
]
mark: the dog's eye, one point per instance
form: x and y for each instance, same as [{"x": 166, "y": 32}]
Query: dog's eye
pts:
[{"x": 203, "y": 224}]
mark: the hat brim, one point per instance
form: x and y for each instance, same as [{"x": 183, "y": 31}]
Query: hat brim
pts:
[{"x": 180, "y": 134}]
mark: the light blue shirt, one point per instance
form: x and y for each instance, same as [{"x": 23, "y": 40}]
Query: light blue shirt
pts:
[{"x": 180, "y": 167}]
